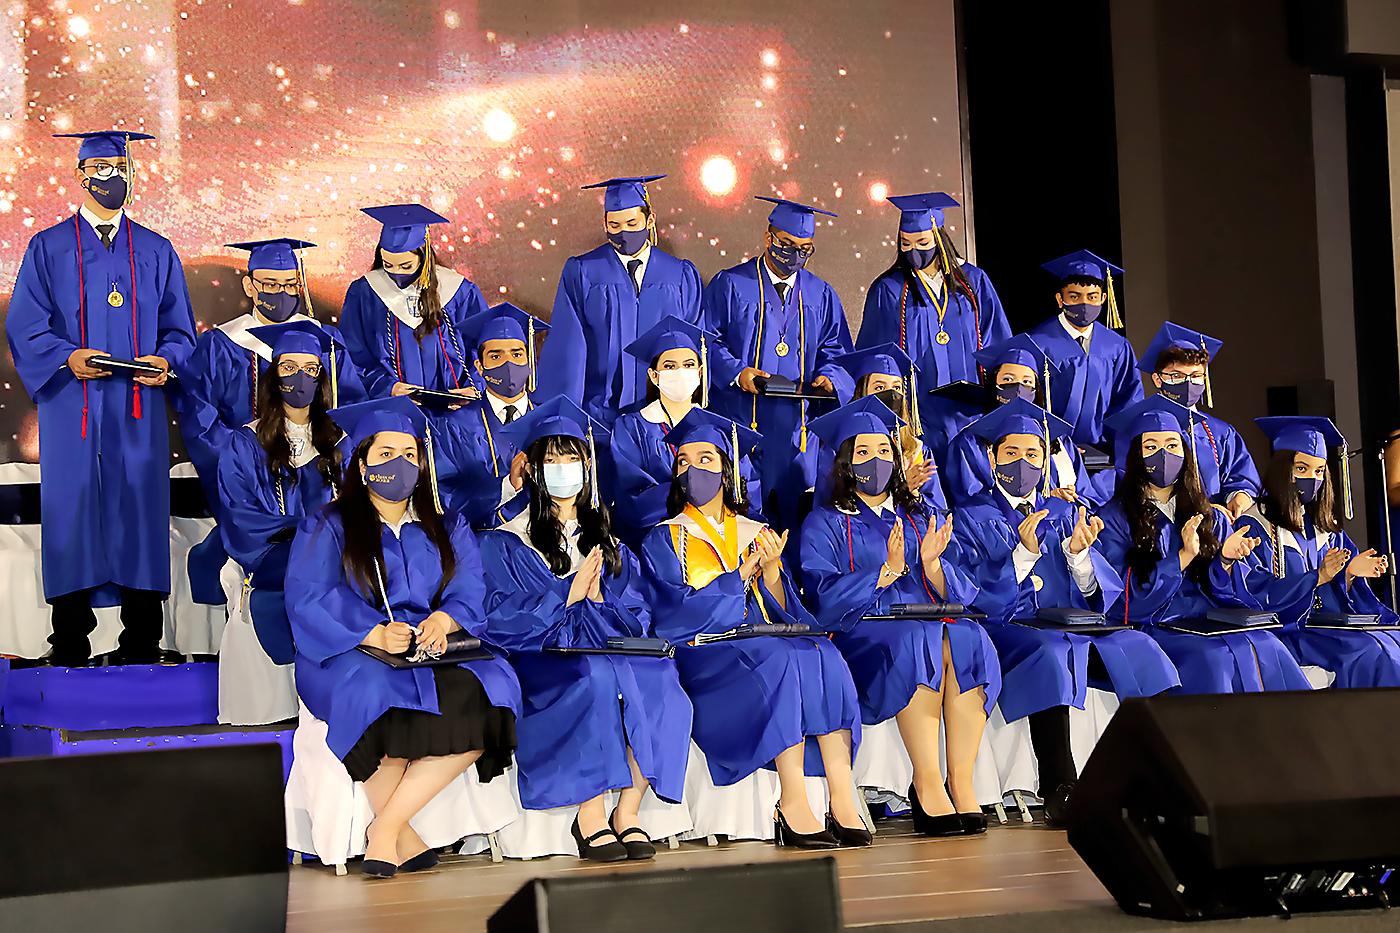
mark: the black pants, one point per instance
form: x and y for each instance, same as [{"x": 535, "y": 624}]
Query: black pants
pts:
[
  {"x": 1050, "y": 735},
  {"x": 74, "y": 621}
]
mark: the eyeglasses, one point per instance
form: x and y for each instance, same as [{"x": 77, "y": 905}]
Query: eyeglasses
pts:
[
  {"x": 288, "y": 368},
  {"x": 273, "y": 288},
  {"x": 1176, "y": 379},
  {"x": 807, "y": 250},
  {"x": 103, "y": 170}
]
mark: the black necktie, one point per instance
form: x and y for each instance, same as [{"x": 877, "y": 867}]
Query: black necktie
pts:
[
  {"x": 782, "y": 288},
  {"x": 1083, "y": 342},
  {"x": 511, "y": 414},
  {"x": 632, "y": 266},
  {"x": 105, "y": 231},
  {"x": 1025, "y": 508}
]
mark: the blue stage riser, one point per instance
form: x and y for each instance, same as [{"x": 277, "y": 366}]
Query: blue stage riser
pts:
[{"x": 34, "y": 741}]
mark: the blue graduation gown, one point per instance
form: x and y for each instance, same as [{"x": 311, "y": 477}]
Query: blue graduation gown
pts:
[
  {"x": 786, "y": 466},
  {"x": 1043, "y": 668},
  {"x": 1282, "y": 574},
  {"x": 1089, "y": 387},
  {"x": 931, "y": 493},
  {"x": 898, "y": 311},
  {"x": 597, "y": 313},
  {"x": 967, "y": 475},
  {"x": 375, "y": 324},
  {"x": 1231, "y": 663},
  {"x": 106, "y": 502},
  {"x": 753, "y": 697},
  {"x": 330, "y": 616},
  {"x": 642, "y": 471},
  {"x": 1222, "y": 460},
  {"x": 473, "y": 464},
  {"x": 942, "y": 419},
  {"x": 583, "y": 711},
  {"x": 841, "y": 558}
]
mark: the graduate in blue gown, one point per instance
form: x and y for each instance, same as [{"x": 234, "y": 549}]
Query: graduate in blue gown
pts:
[
  {"x": 277, "y": 469},
  {"x": 1306, "y": 565},
  {"x": 876, "y": 545},
  {"x": 1031, "y": 551},
  {"x": 1097, "y": 369},
  {"x": 1016, "y": 368},
  {"x": 677, "y": 354},
  {"x": 931, "y": 303},
  {"x": 1195, "y": 560},
  {"x": 768, "y": 701},
  {"x": 479, "y": 471},
  {"x": 403, "y": 319},
  {"x": 610, "y": 296},
  {"x": 558, "y": 579},
  {"x": 381, "y": 567},
  {"x": 104, "y": 441},
  {"x": 776, "y": 318}
]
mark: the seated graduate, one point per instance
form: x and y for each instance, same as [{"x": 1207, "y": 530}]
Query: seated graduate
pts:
[
  {"x": 1016, "y": 368},
  {"x": 931, "y": 303},
  {"x": 677, "y": 357},
  {"x": 1178, "y": 360},
  {"x": 768, "y": 701},
  {"x": 556, "y": 578},
  {"x": 277, "y": 469},
  {"x": 403, "y": 318},
  {"x": 1305, "y": 564},
  {"x": 1180, "y": 559},
  {"x": 875, "y": 545},
  {"x": 1097, "y": 368},
  {"x": 1031, "y": 551},
  {"x": 478, "y": 469},
  {"x": 381, "y": 567},
  {"x": 608, "y": 297}
]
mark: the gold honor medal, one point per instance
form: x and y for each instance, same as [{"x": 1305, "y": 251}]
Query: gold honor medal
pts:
[
  {"x": 782, "y": 348},
  {"x": 942, "y": 338},
  {"x": 115, "y": 298},
  {"x": 1037, "y": 582}
]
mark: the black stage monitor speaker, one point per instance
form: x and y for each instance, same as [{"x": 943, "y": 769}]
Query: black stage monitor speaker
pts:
[
  {"x": 162, "y": 840},
  {"x": 797, "y": 896},
  {"x": 1198, "y": 807}
]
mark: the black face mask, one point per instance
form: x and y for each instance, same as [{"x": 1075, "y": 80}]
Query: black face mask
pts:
[{"x": 893, "y": 399}]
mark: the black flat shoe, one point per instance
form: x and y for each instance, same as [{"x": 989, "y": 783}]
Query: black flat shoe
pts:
[
  {"x": 613, "y": 851},
  {"x": 783, "y": 835},
  {"x": 950, "y": 824},
  {"x": 853, "y": 838},
  {"x": 375, "y": 868},
  {"x": 639, "y": 850},
  {"x": 424, "y": 860}
]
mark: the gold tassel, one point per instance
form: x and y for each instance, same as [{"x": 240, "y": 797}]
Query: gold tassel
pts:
[
  {"x": 131, "y": 179},
  {"x": 1209, "y": 399},
  {"x": 734, "y": 462},
  {"x": 1115, "y": 320},
  {"x": 646, "y": 199},
  {"x": 704, "y": 374},
  {"x": 1346, "y": 483},
  {"x": 335, "y": 387},
  {"x": 944, "y": 259},
  {"x": 432, "y": 468},
  {"x": 915, "y": 424},
  {"x": 1045, "y": 478},
  {"x": 1045, "y": 366},
  {"x": 592, "y": 470},
  {"x": 425, "y": 269},
  {"x": 802, "y": 446},
  {"x": 1191, "y": 426},
  {"x": 530, "y": 352}
]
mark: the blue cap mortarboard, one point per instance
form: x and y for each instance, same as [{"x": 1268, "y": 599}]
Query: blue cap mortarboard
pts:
[
  {"x": 1174, "y": 335},
  {"x": 792, "y": 217},
  {"x": 1081, "y": 264},
  {"x": 867, "y": 415},
  {"x": 558, "y": 417},
  {"x": 887, "y": 359},
  {"x": 277, "y": 254},
  {"x": 1019, "y": 416},
  {"x": 502, "y": 322},
  {"x": 624, "y": 193},
  {"x": 920, "y": 212},
  {"x": 103, "y": 144},
  {"x": 405, "y": 225},
  {"x": 296, "y": 337},
  {"x": 1304, "y": 435},
  {"x": 1022, "y": 350},
  {"x": 670, "y": 333},
  {"x": 700, "y": 425},
  {"x": 1155, "y": 413},
  {"x": 363, "y": 420}
]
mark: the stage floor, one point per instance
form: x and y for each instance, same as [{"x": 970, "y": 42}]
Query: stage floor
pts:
[{"x": 903, "y": 877}]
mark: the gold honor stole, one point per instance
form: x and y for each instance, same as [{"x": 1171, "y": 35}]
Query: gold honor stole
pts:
[{"x": 700, "y": 565}]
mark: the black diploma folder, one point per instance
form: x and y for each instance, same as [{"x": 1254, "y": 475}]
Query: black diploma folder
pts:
[
  {"x": 636, "y": 647},
  {"x": 1066, "y": 619},
  {"x": 1224, "y": 621},
  {"x": 460, "y": 647},
  {"x": 1094, "y": 459},
  {"x": 934, "y": 611},
  {"x": 968, "y": 394},
  {"x": 762, "y": 630},
  {"x": 130, "y": 367},
  {"x": 1347, "y": 620},
  {"x": 438, "y": 401},
  {"x": 783, "y": 387}
]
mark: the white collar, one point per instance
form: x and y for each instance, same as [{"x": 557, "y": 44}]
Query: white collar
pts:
[
  {"x": 403, "y": 302},
  {"x": 239, "y": 330},
  {"x": 655, "y": 413},
  {"x": 93, "y": 220},
  {"x": 884, "y": 507},
  {"x": 746, "y": 527},
  {"x": 789, "y": 281},
  {"x": 498, "y": 405},
  {"x": 410, "y": 515},
  {"x": 1287, "y": 538},
  {"x": 1074, "y": 332},
  {"x": 520, "y": 527},
  {"x": 934, "y": 279},
  {"x": 1167, "y": 508},
  {"x": 1016, "y": 503}
]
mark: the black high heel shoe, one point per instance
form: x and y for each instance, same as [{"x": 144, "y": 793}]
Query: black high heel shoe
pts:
[
  {"x": 974, "y": 824},
  {"x": 950, "y": 824},
  {"x": 378, "y": 868},
  {"x": 854, "y": 838},
  {"x": 613, "y": 851},
  {"x": 783, "y": 835},
  {"x": 424, "y": 860},
  {"x": 638, "y": 851}
]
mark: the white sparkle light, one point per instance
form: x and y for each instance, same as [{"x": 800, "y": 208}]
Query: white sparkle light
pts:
[
  {"x": 718, "y": 175},
  {"x": 498, "y": 125},
  {"x": 879, "y": 191},
  {"x": 78, "y": 27},
  {"x": 769, "y": 58}
]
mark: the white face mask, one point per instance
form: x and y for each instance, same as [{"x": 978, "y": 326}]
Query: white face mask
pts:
[
  {"x": 678, "y": 385},
  {"x": 562, "y": 480}
]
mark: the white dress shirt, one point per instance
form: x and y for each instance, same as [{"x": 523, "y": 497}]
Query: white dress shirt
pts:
[
  {"x": 1081, "y": 568},
  {"x": 644, "y": 256},
  {"x": 1075, "y": 333}
]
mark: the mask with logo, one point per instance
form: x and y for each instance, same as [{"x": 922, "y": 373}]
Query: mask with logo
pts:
[
  {"x": 1082, "y": 315},
  {"x": 678, "y": 385},
  {"x": 392, "y": 480},
  {"x": 1308, "y": 487},
  {"x": 786, "y": 259},
  {"x": 298, "y": 389},
  {"x": 1014, "y": 390},
  {"x": 873, "y": 475},
  {"x": 507, "y": 380},
  {"x": 700, "y": 486},
  {"x": 1019, "y": 477},
  {"x": 1164, "y": 467},
  {"x": 110, "y": 192},
  {"x": 919, "y": 258},
  {"x": 629, "y": 242},
  {"x": 1187, "y": 393},
  {"x": 404, "y": 279},
  {"x": 562, "y": 480},
  {"x": 277, "y": 306}
]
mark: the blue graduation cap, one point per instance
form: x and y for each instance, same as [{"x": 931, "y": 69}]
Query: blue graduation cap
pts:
[
  {"x": 1019, "y": 416},
  {"x": 1311, "y": 436},
  {"x": 886, "y": 359},
  {"x": 700, "y": 425},
  {"x": 1174, "y": 335},
  {"x": 560, "y": 417},
  {"x": 673, "y": 333},
  {"x": 502, "y": 322},
  {"x": 920, "y": 212},
  {"x": 1084, "y": 264},
  {"x": 405, "y": 225},
  {"x": 867, "y": 415},
  {"x": 625, "y": 193},
  {"x": 792, "y": 217},
  {"x": 1154, "y": 413},
  {"x": 296, "y": 337},
  {"x": 363, "y": 420},
  {"x": 277, "y": 255},
  {"x": 1020, "y": 350},
  {"x": 103, "y": 144}
]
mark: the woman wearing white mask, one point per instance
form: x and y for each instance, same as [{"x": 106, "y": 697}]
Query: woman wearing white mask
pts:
[{"x": 676, "y": 353}]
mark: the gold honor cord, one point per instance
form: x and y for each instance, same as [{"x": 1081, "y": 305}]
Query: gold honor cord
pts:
[
  {"x": 801, "y": 351},
  {"x": 704, "y": 375},
  {"x": 942, "y": 336},
  {"x": 530, "y": 351},
  {"x": 1210, "y": 402},
  {"x": 734, "y": 462},
  {"x": 432, "y": 469},
  {"x": 1115, "y": 319}
]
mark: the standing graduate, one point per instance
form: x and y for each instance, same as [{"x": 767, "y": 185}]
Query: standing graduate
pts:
[
  {"x": 403, "y": 319},
  {"x": 775, "y": 318},
  {"x": 608, "y": 297},
  {"x": 1097, "y": 369},
  {"x": 1031, "y": 551},
  {"x": 931, "y": 303},
  {"x": 1180, "y": 559},
  {"x": 382, "y": 568},
  {"x": 877, "y": 545},
  {"x": 1306, "y": 565},
  {"x": 677, "y": 354},
  {"x": 100, "y": 285},
  {"x": 480, "y": 471},
  {"x": 558, "y": 579},
  {"x": 782, "y": 700}
]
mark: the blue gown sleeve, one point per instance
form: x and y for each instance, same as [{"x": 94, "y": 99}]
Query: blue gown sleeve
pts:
[
  {"x": 995, "y": 328},
  {"x": 1237, "y": 472},
  {"x": 835, "y": 340},
  {"x": 175, "y": 319},
  {"x": 250, "y": 524},
  {"x": 563, "y": 359},
  {"x": 1275, "y": 594},
  {"x": 641, "y": 500},
  {"x": 715, "y": 304},
  {"x": 880, "y": 322},
  {"x": 205, "y": 434},
  {"x": 1126, "y": 388},
  {"x": 329, "y": 616},
  {"x": 463, "y": 597},
  {"x": 357, "y": 326},
  {"x": 39, "y": 350},
  {"x": 692, "y": 286}
]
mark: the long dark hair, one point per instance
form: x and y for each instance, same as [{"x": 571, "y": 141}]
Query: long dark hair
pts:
[
  {"x": 594, "y": 524},
  {"x": 843, "y": 488},
  {"x": 735, "y": 500},
  {"x": 363, "y": 527},
  {"x": 949, "y": 263},
  {"x": 1281, "y": 504},
  {"x": 429, "y": 304},
  {"x": 654, "y": 391},
  {"x": 272, "y": 429},
  {"x": 1142, "y": 513}
]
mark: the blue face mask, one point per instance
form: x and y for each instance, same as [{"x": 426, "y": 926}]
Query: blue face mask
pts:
[
  {"x": 700, "y": 486},
  {"x": 393, "y": 480},
  {"x": 1188, "y": 393},
  {"x": 919, "y": 258},
  {"x": 1019, "y": 477},
  {"x": 1013, "y": 391},
  {"x": 1308, "y": 487},
  {"x": 507, "y": 380},
  {"x": 298, "y": 389},
  {"x": 404, "y": 279},
  {"x": 786, "y": 259},
  {"x": 277, "y": 306},
  {"x": 1082, "y": 315},
  {"x": 629, "y": 242},
  {"x": 109, "y": 192},
  {"x": 1164, "y": 467},
  {"x": 873, "y": 475}
]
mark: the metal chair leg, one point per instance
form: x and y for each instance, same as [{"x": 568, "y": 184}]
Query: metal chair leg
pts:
[
  {"x": 710, "y": 840},
  {"x": 672, "y": 842},
  {"x": 341, "y": 870},
  {"x": 1022, "y": 806},
  {"x": 1001, "y": 812},
  {"x": 494, "y": 843}
]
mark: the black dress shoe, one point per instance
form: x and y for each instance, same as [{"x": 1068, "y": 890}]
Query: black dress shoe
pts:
[
  {"x": 1057, "y": 805},
  {"x": 376, "y": 868},
  {"x": 973, "y": 823},
  {"x": 424, "y": 860},
  {"x": 949, "y": 824},
  {"x": 613, "y": 851},
  {"x": 853, "y": 838},
  {"x": 783, "y": 835},
  {"x": 639, "y": 849}
]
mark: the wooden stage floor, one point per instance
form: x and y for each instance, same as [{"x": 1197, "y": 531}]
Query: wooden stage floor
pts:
[{"x": 1017, "y": 868}]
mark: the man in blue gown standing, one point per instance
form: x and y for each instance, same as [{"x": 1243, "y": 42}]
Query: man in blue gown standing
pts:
[{"x": 99, "y": 285}]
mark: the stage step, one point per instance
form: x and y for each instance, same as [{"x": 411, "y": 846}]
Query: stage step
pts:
[
  {"x": 132, "y": 696},
  {"x": 18, "y": 741}
]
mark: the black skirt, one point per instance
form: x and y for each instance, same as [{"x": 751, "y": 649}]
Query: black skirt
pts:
[{"x": 468, "y": 722}]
